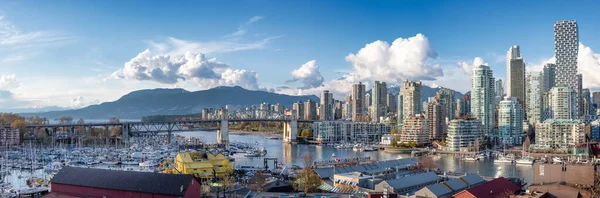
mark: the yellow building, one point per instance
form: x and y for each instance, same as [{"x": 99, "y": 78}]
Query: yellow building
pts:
[{"x": 202, "y": 165}]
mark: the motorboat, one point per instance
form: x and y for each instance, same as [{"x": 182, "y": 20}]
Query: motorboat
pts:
[
  {"x": 252, "y": 154},
  {"x": 148, "y": 164},
  {"x": 369, "y": 149},
  {"x": 503, "y": 159},
  {"x": 273, "y": 138},
  {"x": 525, "y": 160},
  {"x": 469, "y": 158},
  {"x": 557, "y": 160},
  {"x": 357, "y": 148},
  {"x": 130, "y": 162}
]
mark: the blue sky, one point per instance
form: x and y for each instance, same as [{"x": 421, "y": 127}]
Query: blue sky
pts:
[{"x": 75, "y": 53}]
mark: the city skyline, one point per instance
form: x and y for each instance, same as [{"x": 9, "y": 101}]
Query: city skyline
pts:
[{"x": 54, "y": 59}]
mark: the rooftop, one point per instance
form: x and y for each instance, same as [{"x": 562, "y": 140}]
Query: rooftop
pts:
[
  {"x": 498, "y": 187},
  {"x": 413, "y": 180},
  {"x": 157, "y": 183}
]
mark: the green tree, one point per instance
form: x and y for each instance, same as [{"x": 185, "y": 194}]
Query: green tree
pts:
[
  {"x": 307, "y": 133},
  {"x": 308, "y": 180},
  {"x": 394, "y": 131}
]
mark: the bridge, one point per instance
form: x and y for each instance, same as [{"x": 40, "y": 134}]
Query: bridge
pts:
[{"x": 290, "y": 127}]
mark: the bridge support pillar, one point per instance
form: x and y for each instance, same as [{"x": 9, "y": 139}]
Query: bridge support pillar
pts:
[
  {"x": 223, "y": 133},
  {"x": 169, "y": 133},
  {"x": 290, "y": 131},
  {"x": 125, "y": 132}
]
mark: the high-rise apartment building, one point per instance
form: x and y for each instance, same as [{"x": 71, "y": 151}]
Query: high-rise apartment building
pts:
[
  {"x": 549, "y": 77},
  {"x": 368, "y": 102},
  {"x": 298, "y": 110},
  {"x": 400, "y": 116},
  {"x": 515, "y": 74},
  {"x": 411, "y": 98},
  {"x": 392, "y": 104},
  {"x": 415, "y": 129},
  {"x": 482, "y": 98},
  {"x": 534, "y": 97},
  {"x": 588, "y": 104},
  {"x": 596, "y": 99},
  {"x": 510, "y": 121},
  {"x": 499, "y": 90},
  {"x": 446, "y": 99},
  {"x": 358, "y": 102},
  {"x": 310, "y": 110},
  {"x": 379, "y": 107},
  {"x": 464, "y": 134},
  {"x": 566, "y": 49},
  {"x": 326, "y": 106},
  {"x": 561, "y": 100},
  {"x": 436, "y": 120}
]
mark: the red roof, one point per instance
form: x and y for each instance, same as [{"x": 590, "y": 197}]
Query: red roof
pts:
[{"x": 495, "y": 188}]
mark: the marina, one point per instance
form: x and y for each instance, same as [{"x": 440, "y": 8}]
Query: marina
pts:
[{"x": 29, "y": 168}]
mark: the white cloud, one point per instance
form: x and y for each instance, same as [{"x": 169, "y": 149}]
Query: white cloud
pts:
[
  {"x": 8, "y": 82},
  {"x": 171, "y": 69},
  {"x": 468, "y": 68},
  {"x": 537, "y": 67},
  {"x": 308, "y": 74},
  {"x": 10, "y": 35},
  {"x": 174, "y": 46},
  {"x": 242, "y": 29},
  {"x": 8, "y": 100},
  {"x": 406, "y": 58}
]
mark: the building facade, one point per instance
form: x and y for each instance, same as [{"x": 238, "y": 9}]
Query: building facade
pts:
[
  {"x": 559, "y": 133},
  {"x": 392, "y": 104},
  {"x": 411, "y": 98},
  {"x": 548, "y": 77},
  {"x": 339, "y": 131},
  {"x": 445, "y": 97},
  {"x": 463, "y": 134},
  {"x": 310, "y": 110},
  {"x": 515, "y": 74},
  {"x": 436, "y": 121},
  {"x": 534, "y": 97},
  {"x": 510, "y": 122},
  {"x": 298, "y": 110},
  {"x": 326, "y": 106},
  {"x": 566, "y": 49},
  {"x": 562, "y": 102},
  {"x": 358, "y": 100},
  {"x": 9, "y": 137},
  {"x": 482, "y": 98},
  {"x": 379, "y": 102},
  {"x": 415, "y": 129}
]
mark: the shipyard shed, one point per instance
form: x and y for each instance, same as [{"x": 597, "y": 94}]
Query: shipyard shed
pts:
[{"x": 89, "y": 182}]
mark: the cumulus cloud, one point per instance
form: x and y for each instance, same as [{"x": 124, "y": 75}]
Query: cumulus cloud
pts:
[
  {"x": 8, "y": 82},
  {"x": 308, "y": 74},
  {"x": 405, "y": 58},
  {"x": 468, "y": 68},
  {"x": 171, "y": 69},
  {"x": 9, "y": 100}
]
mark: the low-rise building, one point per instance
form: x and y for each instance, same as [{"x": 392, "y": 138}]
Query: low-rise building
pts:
[
  {"x": 90, "y": 182},
  {"x": 201, "y": 165},
  {"x": 410, "y": 183},
  {"x": 9, "y": 137},
  {"x": 339, "y": 131},
  {"x": 387, "y": 139},
  {"x": 497, "y": 188},
  {"x": 559, "y": 134}
]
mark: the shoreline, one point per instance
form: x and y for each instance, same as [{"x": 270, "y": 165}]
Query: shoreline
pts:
[{"x": 262, "y": 133}]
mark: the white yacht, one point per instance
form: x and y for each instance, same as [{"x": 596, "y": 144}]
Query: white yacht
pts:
[
  {"x": 252, "y": 154},
  {"x": 130, "y": 162},
  {"x": 148, "y": 164},
  {"x": 525, "y": 160},
  {"x": 557, "y": 160},
  {"x": 470, "y": 158},
  {"x": 503, "y": 159},
  {"x": 369, "y": 149}
]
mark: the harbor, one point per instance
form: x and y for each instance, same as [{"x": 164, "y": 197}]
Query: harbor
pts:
[{"x": 30, "y": 167}]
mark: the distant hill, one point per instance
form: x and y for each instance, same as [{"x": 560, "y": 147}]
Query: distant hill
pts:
[
  {"x": 426, "y": 91},
  {"x": 141, "y": 103}
]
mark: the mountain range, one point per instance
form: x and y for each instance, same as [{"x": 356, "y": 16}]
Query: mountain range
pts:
[{"x": 147, "y": 102}]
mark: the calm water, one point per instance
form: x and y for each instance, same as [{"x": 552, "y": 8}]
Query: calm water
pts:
[{"x": 291, "y": 154}]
